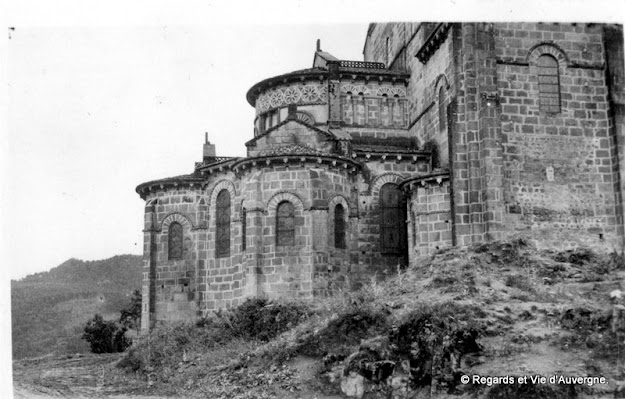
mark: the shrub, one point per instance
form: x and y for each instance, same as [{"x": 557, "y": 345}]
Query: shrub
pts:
[
  {"x": 347, "y": 330},
  {"x": 105, "y": 336},
  {"x": 519, "y": 281},
  {"x": 254, "y": 319},
  {"x": 130, "y": 316},
  {"x": 261, "y": 319},
  {"x": 434, "y": 339},
  {"x": 578, "y": 256}
]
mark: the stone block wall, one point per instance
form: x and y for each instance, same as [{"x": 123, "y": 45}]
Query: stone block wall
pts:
[
  {"x": 225, "y": 278},
  {"x": 290, "y": 133},
  {"x": 559, "y": 167},
  {"x": 374, "y": 104},
  {"x": 372, "y": 261},
  {"x": 170, "y": 286},
  {"x": 426, "y": 80},
  {"x": 430, "y": 224}
]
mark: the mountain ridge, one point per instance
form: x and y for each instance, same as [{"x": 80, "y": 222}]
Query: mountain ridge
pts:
[{"x": 50, "y": 308}]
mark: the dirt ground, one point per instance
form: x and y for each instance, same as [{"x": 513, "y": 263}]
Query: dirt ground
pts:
[{"x": 74, "y": 377}]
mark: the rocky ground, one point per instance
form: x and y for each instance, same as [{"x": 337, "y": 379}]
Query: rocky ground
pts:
[{"x": 493, "y": 313}]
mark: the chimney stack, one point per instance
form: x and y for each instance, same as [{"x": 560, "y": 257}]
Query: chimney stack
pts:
[{"x": 209, "y": 149}]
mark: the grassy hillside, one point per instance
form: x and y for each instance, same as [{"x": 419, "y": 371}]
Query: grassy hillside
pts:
[
  {"x": 49, "y": 309},
  {"x": 493, "y": 310}
]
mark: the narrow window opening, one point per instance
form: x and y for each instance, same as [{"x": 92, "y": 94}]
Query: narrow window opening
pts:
[
  {"x": 285, "y": 224},
  {"x": 243, "y": 229},
  {"x": 223, "y": 225},
  {"x": 548, "y": 84},
  {"x": 175, "y": 241},
  {"x": 442, "y": 122},
  {"x": 339, "y": 227}
]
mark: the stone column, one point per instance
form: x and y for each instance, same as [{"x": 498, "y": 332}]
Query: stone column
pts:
[
  {"x": 334, "y": 95},
  {"x": 478, "y": 157}
]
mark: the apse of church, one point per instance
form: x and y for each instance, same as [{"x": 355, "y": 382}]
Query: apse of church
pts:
[{"x": 447, "y": 134}]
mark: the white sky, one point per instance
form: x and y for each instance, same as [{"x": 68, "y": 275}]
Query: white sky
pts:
[
  {"x": 101, "y": 99},
  {"x": 93, "y": 112},
  {"x": 103, "y": 96}
]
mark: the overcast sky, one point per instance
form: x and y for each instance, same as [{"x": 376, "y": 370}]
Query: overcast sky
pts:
[
  {"x": 100, "y": 101},
  {"x": 93, "y": 112}
]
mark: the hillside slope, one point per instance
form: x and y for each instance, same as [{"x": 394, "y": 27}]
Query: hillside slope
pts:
[
  {"x": 49, "y": 309},
  {"x": 493, "y": 310}
]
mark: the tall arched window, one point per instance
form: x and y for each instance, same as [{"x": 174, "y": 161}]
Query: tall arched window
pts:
[
  {"x": 174, "y": 243},
  {"x": 339, "y": 226},
  {"x": 393, "y": 219},
  {"x": 243, "y": 229},
  {"x": 548, "y": 84},
  {"x": 223, "y": 225},
  {"x": 442, "y": 115},
  {"x": 285, "y": 224}
]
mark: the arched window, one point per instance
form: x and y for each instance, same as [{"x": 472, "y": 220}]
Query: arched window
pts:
[
  {"x": 223, "y": 225},
  {"x": 243, "y": 229},
  {"x": 548, "y": 84},
  {"x": 339, "y": 226},
  {"x": 285, "y": 224},
  {"x": 393, "y": 219},
  {"x": 174, "y": 243},
  {"x": 442, "y": 115}
]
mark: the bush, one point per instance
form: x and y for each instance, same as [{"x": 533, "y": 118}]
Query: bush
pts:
[
  {"x": 434, "y": 339},
  {"x": 578, "y": 256},
  {"x": 346, "y": 330},
  {"x": 254, "y": 319},
  {"x": 105, "y": 336},
  {"x": 258, "y": 318},
  {"x": 519, "y": 281},
  {"x": 130, "y": 316}
]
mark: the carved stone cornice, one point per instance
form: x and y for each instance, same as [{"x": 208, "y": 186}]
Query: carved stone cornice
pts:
[
  {"x": 246, "y": 164},
  {"x": 433, "y": 42}
]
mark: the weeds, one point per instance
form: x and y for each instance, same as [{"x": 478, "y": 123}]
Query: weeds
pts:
[
  {"x": 433, "y": 338},
  {"x": 519, "y": 281},
  {"x": 348, "y": 329}
]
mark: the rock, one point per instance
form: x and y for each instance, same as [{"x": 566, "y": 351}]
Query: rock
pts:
[{"x": 353, "y": 385}]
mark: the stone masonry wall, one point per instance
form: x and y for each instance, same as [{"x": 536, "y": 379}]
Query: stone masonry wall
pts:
[
  {"x": 291, "y": 133},
  {"x": 170, "y": 286},
  {"x": 426, "y": 80},
  {"x": 373, "y": 104},
  {"x": 559, "y": 167},
  {"x": 430, "y": 219}
]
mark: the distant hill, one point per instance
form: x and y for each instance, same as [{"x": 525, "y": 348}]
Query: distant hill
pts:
[{"x": 49, "y": 309}]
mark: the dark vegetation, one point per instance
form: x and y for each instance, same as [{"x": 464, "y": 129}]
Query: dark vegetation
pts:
[
  {"x": 256, "y": 319},
  {"x": 434, "y": 338},
  {"x": 109, "y": 336},
  {"x": 49, "y": 309},
  {"x": 105, "y": 336}
]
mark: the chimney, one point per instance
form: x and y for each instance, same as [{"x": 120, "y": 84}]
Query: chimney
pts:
[{"x": 209, "y": 149}]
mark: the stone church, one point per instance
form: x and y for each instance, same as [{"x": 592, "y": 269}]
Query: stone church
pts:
[{"x": 447, "y": 134}]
